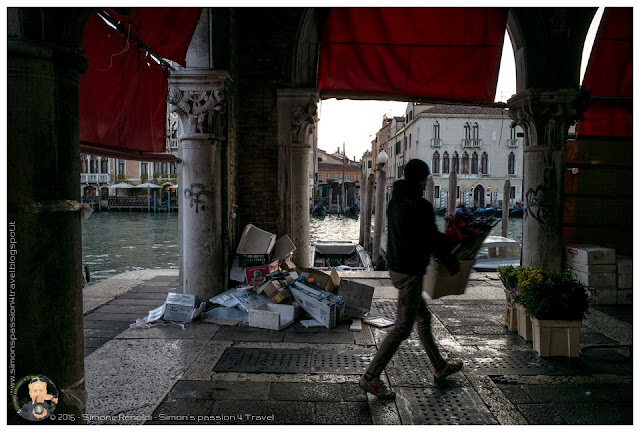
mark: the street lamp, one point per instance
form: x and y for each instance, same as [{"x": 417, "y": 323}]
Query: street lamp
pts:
[{"x": 382, "y": 158}]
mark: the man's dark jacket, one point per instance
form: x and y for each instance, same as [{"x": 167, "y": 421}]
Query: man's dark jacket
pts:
[{"x": 412, "y": 232}]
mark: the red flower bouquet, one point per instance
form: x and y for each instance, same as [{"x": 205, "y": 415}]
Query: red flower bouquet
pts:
[{"x": 466, "y": 232}]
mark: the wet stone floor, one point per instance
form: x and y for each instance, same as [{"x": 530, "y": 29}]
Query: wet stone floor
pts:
[{"x": 309, "y": 376}]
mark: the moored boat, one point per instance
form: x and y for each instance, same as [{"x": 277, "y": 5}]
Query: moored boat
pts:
[
  {"x": 343, "y": 255},
  {"x": 497, "y": 251}
]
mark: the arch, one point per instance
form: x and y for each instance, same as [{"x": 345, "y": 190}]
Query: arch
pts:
[
  {"x": 547, "y": 45},
  {"x": 304, "y": 69},
  {"x": 435, "y": 164},
  {"x": 478, "y": 196}
]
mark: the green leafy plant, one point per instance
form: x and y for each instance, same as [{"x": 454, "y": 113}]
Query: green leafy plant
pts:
[
  {"x": 121, "y": 178},
  {"x": 144, "y": 177},
  {"x": 509, "y": 276},
  {"x": 552, "y": 295}
]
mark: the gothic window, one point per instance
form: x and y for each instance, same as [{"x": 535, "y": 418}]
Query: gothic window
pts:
[
  {"x": 465, "y": 163},
  {"x": 104, "y": 165},
  {"x": 512, "y": 132},
  {"x": 474, "y": 163},
  {"x": 467, "y": 131},
  {"x": 511, "y": 166},
  {"x": 484, "y": 163},
  {"x": 476, "y": 131},
  {"x": 456, "y": 163},
  {"x": 436, "y": 130},
  {"x": 445, "y": 163},
  {"x": 120, "y": 166},
  {"x": 435, "y": 164}
]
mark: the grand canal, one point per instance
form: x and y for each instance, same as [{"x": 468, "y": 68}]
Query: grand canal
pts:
[{"x": 114, "y": 242}]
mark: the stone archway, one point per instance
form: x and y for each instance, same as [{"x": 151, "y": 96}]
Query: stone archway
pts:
[{"x": 478, "y": 196}]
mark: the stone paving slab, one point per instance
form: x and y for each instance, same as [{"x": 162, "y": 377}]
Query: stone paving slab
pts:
[{"x": 132, "y": 376}]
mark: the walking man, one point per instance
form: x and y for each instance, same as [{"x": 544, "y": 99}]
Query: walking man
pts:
[{"x": 412, "y": 238}]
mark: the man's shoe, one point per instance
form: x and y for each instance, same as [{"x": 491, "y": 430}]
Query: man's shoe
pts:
[
  {"x": 451, "y": 367},
  {"x": 376, "y": 387}
]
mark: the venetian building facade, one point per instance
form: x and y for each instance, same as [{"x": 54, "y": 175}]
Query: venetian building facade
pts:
[{"x": 479, "y": 143}]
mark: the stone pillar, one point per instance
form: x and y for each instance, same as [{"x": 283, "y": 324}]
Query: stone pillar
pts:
[
  {"x": 381, "y": 189},
  {"x": 545, "y": 117},
  {"x": 44, "y": 239},
  {"x": 198, "y": 96},
  {"x": 368, "y": 211},
  {"x": 297, "y": 118}
]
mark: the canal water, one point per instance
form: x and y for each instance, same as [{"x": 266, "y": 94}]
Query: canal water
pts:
[{"x": 114, "y": 242}]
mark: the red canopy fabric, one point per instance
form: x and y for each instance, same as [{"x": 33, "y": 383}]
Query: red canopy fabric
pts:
[
  {"x": 609, "y": 76},
  {"x": 123, "y": 92},
  {"x": 437, "y": 53}
]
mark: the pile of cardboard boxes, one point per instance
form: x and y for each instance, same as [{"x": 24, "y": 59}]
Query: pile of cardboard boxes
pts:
[
  {"x": 272, "y": 292},
  {"x": 609, "y": 278}
]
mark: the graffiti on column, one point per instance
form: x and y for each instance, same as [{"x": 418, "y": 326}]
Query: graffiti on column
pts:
[
  {"x": 534, "y": 204},
  {"x": 198, "y": 196}
]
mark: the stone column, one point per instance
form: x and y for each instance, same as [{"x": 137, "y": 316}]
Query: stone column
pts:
[
  {"x": 199, "y": 99},
  {"x": 368, "y": 211},
  {"x": 297, "y": 118},
  {"x": 545, "y": 117},
  {"x": 381, "y": 189},
  {"x": 44, "y": 239}
]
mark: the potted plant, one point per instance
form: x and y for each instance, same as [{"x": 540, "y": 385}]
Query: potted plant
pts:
[
  {"x": 509, "y": 277},
  {"x": 529, "y": 280},
  {"x": 557, "y": 303}
]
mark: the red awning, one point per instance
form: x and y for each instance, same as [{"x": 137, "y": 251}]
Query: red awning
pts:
[
  {"x": 123, "y": 93},
  {"x": 433, "y": 53},
  {"x": 609, "y": 76}
]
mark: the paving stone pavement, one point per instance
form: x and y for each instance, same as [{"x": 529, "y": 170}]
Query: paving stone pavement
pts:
[{"x": 211, "y": 374}]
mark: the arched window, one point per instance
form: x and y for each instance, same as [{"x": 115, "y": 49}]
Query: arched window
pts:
[
  {"x": 436, "y": 130},
  {"x": 456, "y": 163},
  {"x": 465, "y": 163},
  {"x": 445, "y": 163},
  {"x": 511, "y": 165},
  {"x": 467, "y": 131},
  {"x": 512, "y": 132},
  {"x": 484, "y": 163},
  {"x": 476, "y": 131},
  {"x": 474, "y": 163},
  {"x": 435, "y": 164}
]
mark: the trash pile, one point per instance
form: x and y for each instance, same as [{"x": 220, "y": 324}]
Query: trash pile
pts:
[{"x": 273, "y": 292}]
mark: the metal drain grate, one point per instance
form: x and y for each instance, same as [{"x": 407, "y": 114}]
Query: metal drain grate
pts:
[
  {"x": 340, "y": 362},
  {"x": 448, "y": 406},
  {"x": 410, "y": 366},
  {"x": 510, "y": 363},
  {"x": 387, "y": 308},
  {"x": 265, "y": 360}
]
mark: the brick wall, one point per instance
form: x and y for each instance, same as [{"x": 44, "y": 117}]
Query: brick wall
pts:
[{"x": 265, "y": 47}]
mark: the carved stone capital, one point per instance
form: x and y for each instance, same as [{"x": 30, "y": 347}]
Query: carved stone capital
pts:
[
  {"x": 545, "y": 116},
  {"x": 200, "y": 101},
  {"x": 303, "y": 122}
]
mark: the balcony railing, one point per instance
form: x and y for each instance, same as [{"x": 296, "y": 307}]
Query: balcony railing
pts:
[
  {"x": 512, "y": 142},
  {"x": 173, "y": 143},
  {"x": 436, "y": 142},
  {"x": 94, "y": 178},
  {"x": 471, "y": 142}
]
